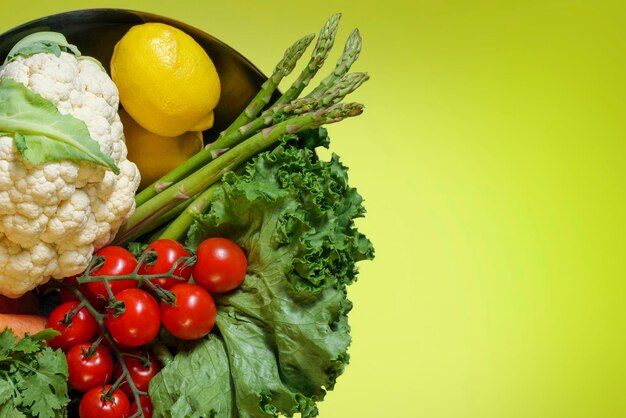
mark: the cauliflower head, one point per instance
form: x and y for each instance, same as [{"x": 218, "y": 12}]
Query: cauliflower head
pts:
[{"x": 53, "y": 216}]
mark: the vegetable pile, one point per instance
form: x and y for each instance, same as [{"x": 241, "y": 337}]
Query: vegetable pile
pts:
[{"x": 224, "y": 292}]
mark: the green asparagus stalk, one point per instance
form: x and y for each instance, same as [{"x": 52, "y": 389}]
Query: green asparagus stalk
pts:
[
  {"x": 163, "y": 219},
  {"x": 146, "y": 215},
  {"x": 332, "y": 94},
  {"x": 226, "y": 139},
  {"x": 178, "y": 228},
  {"x": 283, "y": 68},
  {"x": 350, "y": 54},
  {"x": 345, "y": 85},
  {"x": 242, "y": 127},
  {"x": 323, "y": 46}
]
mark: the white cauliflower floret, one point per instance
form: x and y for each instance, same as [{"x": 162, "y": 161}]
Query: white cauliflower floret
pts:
[{"x": 53, "y": 216}]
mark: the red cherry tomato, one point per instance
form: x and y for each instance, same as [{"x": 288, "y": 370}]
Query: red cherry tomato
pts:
[
  {"x": 146, "y": 406},
  {"x": 82, "y": 327},
  {"x": 140, "y": 322},
  {"x": 86, "y": 373},
  {"x": 193, "y": 314},
  {"x": 95, "y": 404},
  {"x": 141, "y": 371},
  {"x": 66, "y": 295},
  {"x": 118, "y": 261},
  {"x": 221, "y": 265},
  {"x": 168, "y": 253}
]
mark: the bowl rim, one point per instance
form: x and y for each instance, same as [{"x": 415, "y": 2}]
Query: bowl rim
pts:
[{"x": 140, "y": 13}]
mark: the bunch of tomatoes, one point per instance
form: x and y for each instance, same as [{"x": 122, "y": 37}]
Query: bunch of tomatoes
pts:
[{"x": 110, "y": 317}]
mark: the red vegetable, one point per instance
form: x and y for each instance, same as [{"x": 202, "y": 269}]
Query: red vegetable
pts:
[
  {"x": 168, "y": 252},
  {"x": 140, "y": 322},
  {"x": 193, "y": 314},
  {"x": 118, "y": 261},
  {"x": 140, "y": 373},
  {"x": 86, "y": 373},
  {"x": 82, "y": 327},
  {"x": 221, "y": 265},
  {"x": 95, "y": 405}
]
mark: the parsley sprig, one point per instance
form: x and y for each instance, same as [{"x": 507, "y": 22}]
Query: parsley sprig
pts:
[{"x": 33, "y": 377}]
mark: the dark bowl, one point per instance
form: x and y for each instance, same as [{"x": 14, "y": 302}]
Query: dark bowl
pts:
[{"x": 96, "y": 31}]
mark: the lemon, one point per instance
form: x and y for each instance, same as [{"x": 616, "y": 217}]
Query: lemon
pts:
[
  {"x": 166, "y": 80},
  {"x": 156, "y": 155}
]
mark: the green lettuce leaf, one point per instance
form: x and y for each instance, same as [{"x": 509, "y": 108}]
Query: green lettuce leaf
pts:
[
  {"x": 41, "y": 133},
  {"x": 284, "y": 333},
  {"x": 186, "y": 395}
]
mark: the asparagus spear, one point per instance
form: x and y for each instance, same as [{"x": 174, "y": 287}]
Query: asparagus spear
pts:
[
  {"x": 351, "y": 52},
  {"x": 146, "y": 215},
  {"x": 323, "y": 46},
  {"x": 283, "y": 68},
  {"x": 178, "y": 228},
  {"x": 332, "y": 94},
  {"x": 345, "y": 85},
  {"x": 235, "y": 134}
]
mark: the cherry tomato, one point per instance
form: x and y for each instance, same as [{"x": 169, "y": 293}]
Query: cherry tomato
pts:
[
  {"x": 146, "y": 406},
  {"x": 221, "y": 265},
  {"x": 141, "y": 371},
  {"x": 86, "y": 373},
  {"x": 168, "y": 253},
  {"x": 193, "y": 314},
  {"x": 95, "y": 404},
  {"x": 66, "y": 295},
  {"x": 139, "y": 323},
  {"x": 82, "y": 328},
  {"x": 118, "y": 261}
]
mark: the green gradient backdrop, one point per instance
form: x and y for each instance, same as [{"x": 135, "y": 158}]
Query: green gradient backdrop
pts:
[{"x": 491, "y": 156}]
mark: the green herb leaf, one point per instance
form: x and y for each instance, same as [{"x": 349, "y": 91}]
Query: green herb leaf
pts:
[
  {"x": 8, "y": 410},
  {"x": 33, "y": 378},
  {"x": 28, "y": 346},
  {"x": 6, "y": 391},
  {"x": 45, "y": 392},
  {"x": 45, "y": 334},
  {"x": 7, "y": 341},
  {"x": 41, "y": 133}
]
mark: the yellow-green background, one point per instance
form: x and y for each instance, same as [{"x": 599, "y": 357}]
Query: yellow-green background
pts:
[{"x": 492, "y": 160}]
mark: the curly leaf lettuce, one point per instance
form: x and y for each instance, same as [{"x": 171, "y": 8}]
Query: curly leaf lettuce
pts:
[{"x": 283, "y": 335}]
